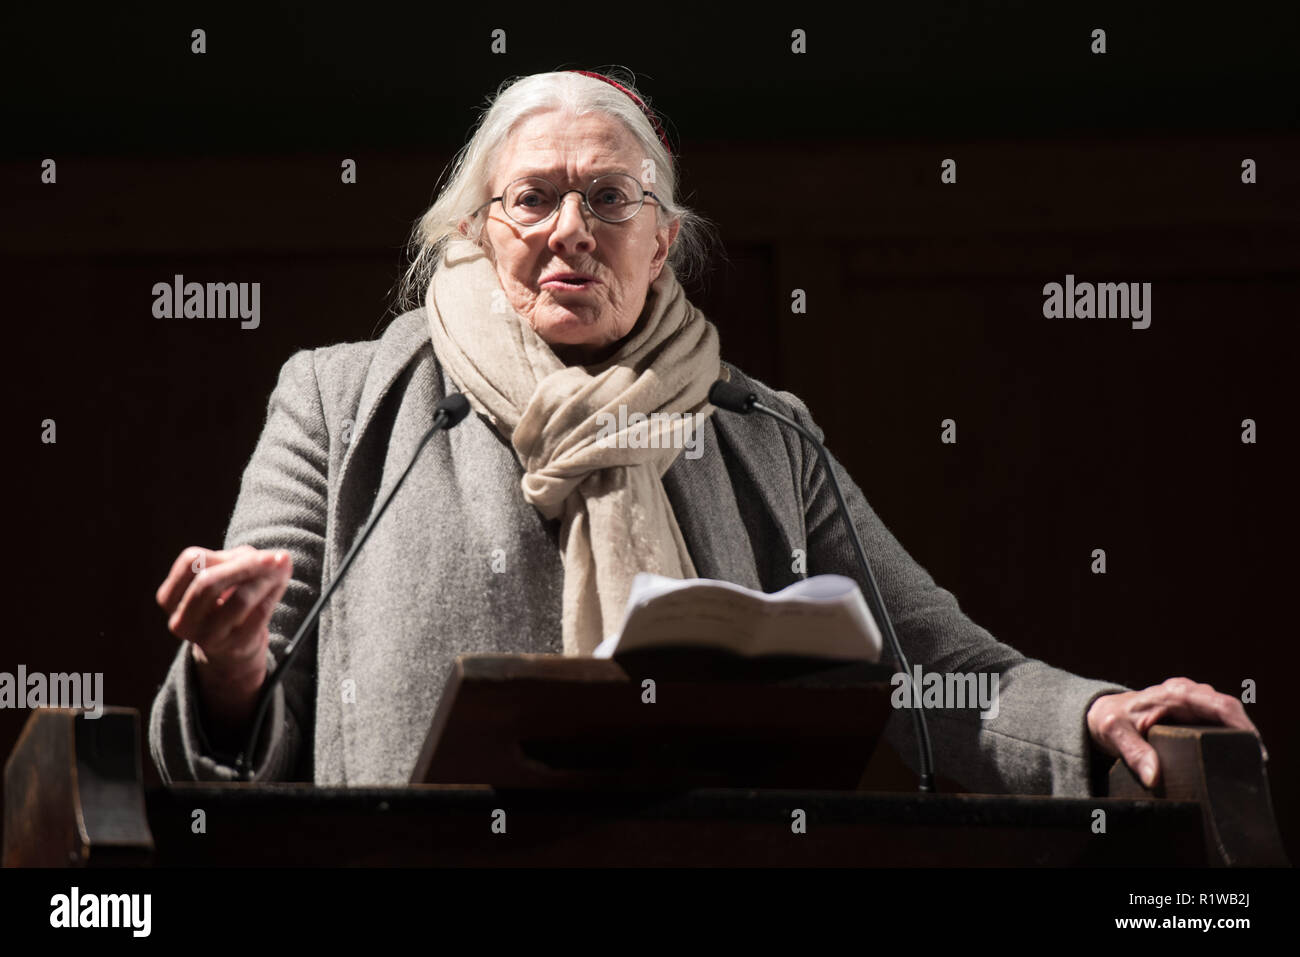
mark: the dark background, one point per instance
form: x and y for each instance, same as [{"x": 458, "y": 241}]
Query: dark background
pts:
[{"x": 822, "y": 172}]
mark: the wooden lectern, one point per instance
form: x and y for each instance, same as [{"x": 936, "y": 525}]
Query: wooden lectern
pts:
[
  {"x": 588, "y": 770},
  {"x": 655, "y": 721}
]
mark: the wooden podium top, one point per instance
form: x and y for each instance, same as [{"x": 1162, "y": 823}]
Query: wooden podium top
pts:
[{"x": 74, "y": 796}]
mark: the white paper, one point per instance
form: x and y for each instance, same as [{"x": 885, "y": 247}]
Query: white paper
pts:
[{"x": 820, "y": 617}]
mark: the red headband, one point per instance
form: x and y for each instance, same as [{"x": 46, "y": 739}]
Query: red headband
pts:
[{"x": 654, "y": 121}]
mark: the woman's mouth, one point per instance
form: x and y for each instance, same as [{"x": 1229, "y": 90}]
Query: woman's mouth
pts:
[{"x": 569, "y": 282}]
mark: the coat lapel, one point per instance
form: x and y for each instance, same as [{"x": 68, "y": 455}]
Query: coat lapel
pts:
[
  {"x": 393, "y": 356},
  {"x": 740, "y": 505},
  {"x": 708, "y": 514}
]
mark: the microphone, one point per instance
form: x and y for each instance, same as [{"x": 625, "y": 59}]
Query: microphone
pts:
[
  {"x": 729, "y": 396},
  {"x": 449, "y": 413}
]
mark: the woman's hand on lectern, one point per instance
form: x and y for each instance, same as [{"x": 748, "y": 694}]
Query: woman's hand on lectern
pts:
[
  {"x": 1119, "y": 722},
  {"x": 221, "y": 602}
]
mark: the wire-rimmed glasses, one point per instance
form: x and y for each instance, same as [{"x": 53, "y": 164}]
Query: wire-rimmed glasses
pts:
[{"x": 532, "y": 200}]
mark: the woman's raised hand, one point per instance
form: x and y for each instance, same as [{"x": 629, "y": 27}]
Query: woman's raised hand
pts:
[{"x": 221, "y": 602}]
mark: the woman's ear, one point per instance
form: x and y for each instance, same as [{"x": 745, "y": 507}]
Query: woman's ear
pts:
[{"x": 664, "y": 238}]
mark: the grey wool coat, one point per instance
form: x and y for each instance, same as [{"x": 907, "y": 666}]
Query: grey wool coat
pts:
[{"x": 342, "y": 423}]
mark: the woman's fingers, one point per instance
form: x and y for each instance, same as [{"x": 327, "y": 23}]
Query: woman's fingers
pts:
[
  {"x": 239, "y": 602},
  {"x": 1119, "y": 722},
  {"x": 1136, "y": 752},
  {"x": 192, "y": 616},
  {"x": 1111, "y": 724},
  {"x": 187, "y": 566},
  {"x": 1189, "y": 701}
]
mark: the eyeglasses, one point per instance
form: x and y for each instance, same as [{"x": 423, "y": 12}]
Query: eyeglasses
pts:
[{"x": 532, "y": 200}]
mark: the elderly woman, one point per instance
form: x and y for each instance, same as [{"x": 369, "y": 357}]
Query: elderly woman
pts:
[{"x": 549, "y": 271}]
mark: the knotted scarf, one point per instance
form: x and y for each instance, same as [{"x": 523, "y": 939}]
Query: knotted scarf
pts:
[{"x": 589, "y": 440}]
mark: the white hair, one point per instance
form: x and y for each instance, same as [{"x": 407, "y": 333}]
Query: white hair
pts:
[{"x": 468, "y": 186}]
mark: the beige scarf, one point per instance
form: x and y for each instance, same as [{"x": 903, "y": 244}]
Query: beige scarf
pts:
[{"x": 616, "y": 519}]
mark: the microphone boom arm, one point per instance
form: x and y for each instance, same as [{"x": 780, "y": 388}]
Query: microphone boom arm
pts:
[
  {"x": 750, "y": 402},
  {"x": 449, "y": 414}
]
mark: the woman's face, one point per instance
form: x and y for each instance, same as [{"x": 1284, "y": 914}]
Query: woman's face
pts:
[{"x": 582, "y": 322}]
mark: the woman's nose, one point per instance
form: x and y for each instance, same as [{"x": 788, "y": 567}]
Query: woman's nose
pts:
[{"x": 571, "y": 232}]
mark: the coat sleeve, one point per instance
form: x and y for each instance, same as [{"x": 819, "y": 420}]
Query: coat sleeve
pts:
[
  {"x": 281, "y": 505},
  {"x": 1038, "y": 742}
]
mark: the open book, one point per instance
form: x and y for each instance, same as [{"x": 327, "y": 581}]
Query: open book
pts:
[{"x": 820, "y": 617}]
